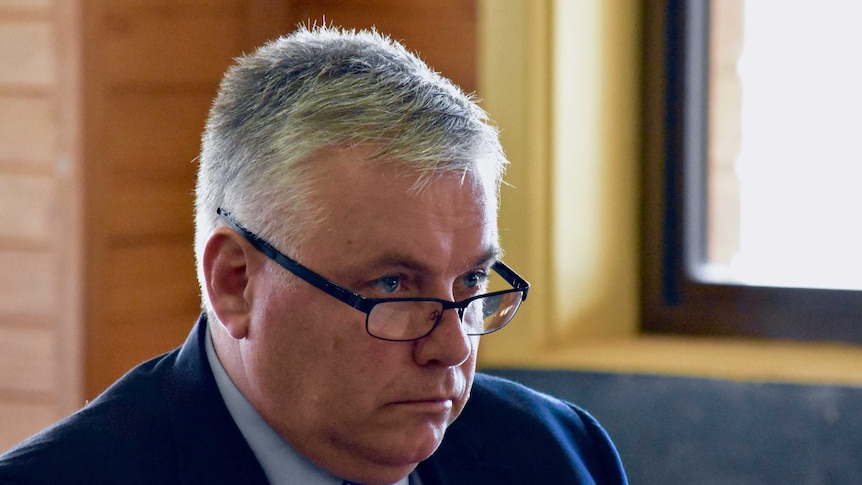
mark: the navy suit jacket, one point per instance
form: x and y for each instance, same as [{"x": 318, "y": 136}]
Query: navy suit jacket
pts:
[{"x": 165, "y": 423}]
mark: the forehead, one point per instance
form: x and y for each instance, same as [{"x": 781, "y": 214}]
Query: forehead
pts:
[{"x": 373, "y": 206}]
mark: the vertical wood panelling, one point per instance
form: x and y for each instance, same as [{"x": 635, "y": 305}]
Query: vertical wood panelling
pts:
[
  {"x": 25, "y": 5},
  {"x": 146, "y": 213},
  {"x": 27, "y": 360},
  {"x": 68, "y": 223},
  {"x": 26, "y": 53},
  {"x": 148, "y": 146},
  {"x": 33, "y": 256},
  {"x": 19, "y": 419},
  {"x": 27, "y": 283},
  {"x": 151, "y": 76},
  {"x": 442, "y": 32},
  {"x": 28, "y": 130},
  {"x": 152, "y": 275},
  {"x": 33, "y": 198},
  {"x": 170, "y": 47}
]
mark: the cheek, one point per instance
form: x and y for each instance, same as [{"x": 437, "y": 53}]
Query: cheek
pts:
[
  {"x": 309, "y": 344},
  {"x": 287, "y": 335},
  {"x": 294, "y": 359}
]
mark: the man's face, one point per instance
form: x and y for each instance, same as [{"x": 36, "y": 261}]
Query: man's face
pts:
[{"x": 339, "y": 396}]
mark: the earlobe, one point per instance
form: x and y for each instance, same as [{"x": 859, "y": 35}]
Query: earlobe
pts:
[{"x": 226, "y": 274}]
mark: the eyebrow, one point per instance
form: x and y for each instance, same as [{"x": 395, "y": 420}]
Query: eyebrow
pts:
[
  {"x": 395, "y": 258},
  {"x": 494, "y": 253}
]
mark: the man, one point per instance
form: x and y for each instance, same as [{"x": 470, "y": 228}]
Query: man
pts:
[{"x": 348, "y": 255}]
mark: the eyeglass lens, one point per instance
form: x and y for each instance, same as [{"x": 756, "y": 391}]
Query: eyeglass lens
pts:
[{"x": 410, "y": 320}]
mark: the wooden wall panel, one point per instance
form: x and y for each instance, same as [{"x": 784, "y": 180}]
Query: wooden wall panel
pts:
[
  {"x": 143, "y": 214},
  {"x": 26, "y": 53},
  {"x": 149, "y": 306},
  {"x": 27, "y": 360},
  {"x": 156, "y": 135},
  {"x": 28, "y": 131},
  {"x": 442, "y": 32},
  {"x": 154, "y": 70},
  {"x": 25, "y": 5},
  {"x": 158, "y": 273},
  {"x": 18, "y": 420},
  {"x": 170, "y": 45},
  {"x": 27, "y": 283},
  {"x": 33, "y": 198},
  {"x": 36, "y": 246}
]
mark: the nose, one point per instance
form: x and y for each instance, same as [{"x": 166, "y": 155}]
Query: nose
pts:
[{"x": 448, "y": 345}]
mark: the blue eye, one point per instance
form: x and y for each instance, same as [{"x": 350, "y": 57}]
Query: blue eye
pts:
[{"x": 388, "y": 284}]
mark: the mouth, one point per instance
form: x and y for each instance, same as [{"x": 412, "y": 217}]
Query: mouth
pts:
[{"x": 429, "y": 405}]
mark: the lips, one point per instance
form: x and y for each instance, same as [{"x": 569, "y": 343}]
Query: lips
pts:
[
  {"x": 430, "y": 399},
  {"x": 444, "y": 395},
  {"x": 431, "y": 406},
  {"x": 436, "y": 402}
]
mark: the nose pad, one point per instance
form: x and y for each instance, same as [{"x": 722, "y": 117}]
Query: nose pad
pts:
[
  {"x": 436, "y": 316},
  {"x": 461, "y": 313},
  {"x": 447, "y": 343}
]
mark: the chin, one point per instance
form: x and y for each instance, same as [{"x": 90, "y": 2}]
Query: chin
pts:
[
  {"x": 402, "y": 446},
  {"x": 420, "y": 444},
  {"x": 409, "y": 446}
]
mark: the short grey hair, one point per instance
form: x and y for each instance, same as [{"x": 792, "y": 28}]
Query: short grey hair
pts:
[{"x": 320, "y": 87}]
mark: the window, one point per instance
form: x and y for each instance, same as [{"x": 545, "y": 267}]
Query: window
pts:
[{"x": 752, "y": 219}]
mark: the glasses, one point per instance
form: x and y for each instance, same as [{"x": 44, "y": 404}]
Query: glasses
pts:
[{"x": 402, "y": 319}]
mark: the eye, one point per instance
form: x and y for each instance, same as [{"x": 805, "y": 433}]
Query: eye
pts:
[
  {"x": 388, "y": 284},
  {"x": 476, "y": 279}
]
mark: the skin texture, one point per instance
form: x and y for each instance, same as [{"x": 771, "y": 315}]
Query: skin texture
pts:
[{"x": 362, "y": 408}]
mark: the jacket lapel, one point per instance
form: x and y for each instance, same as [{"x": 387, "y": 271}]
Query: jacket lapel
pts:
[{"x": 210, "y": 447}]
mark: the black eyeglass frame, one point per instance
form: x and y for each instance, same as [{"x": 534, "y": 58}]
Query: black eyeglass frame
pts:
[{"x": 365, "y": 304}]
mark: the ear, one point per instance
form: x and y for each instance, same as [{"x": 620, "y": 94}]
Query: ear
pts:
[{"x": 226, "y": 268}]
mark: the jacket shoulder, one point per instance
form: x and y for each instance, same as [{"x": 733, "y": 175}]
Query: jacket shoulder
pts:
[
  {"x": 524, "y": 436},
  {"x": 115, "y": 432},
  {"x": 163, "y": 422}
]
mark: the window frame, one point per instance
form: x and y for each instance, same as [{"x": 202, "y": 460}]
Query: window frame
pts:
[{"x": 675, "y": 42}]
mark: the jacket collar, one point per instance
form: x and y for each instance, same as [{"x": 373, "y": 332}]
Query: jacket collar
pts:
[{"x": 210, "y": 447}]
